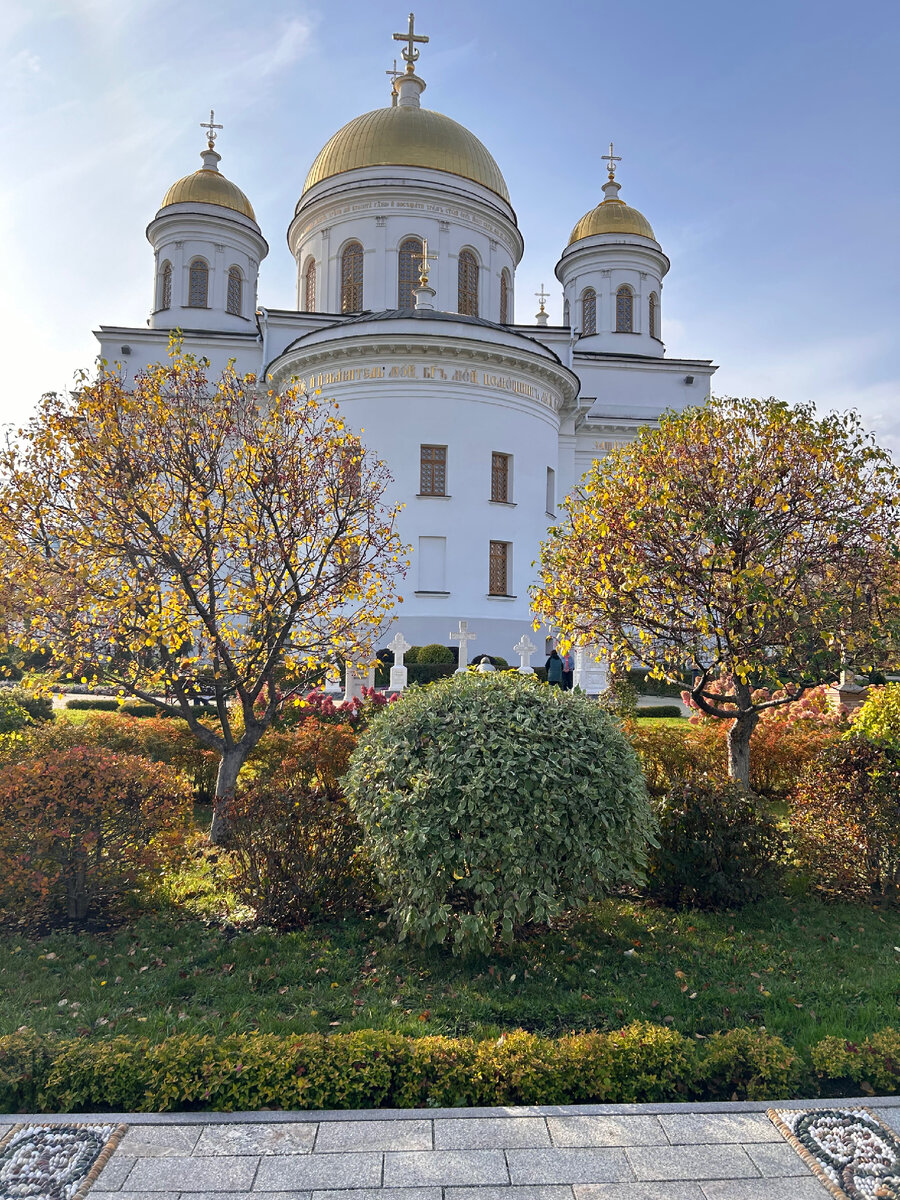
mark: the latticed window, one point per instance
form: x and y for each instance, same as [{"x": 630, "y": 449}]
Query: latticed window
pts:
[
  {"x": 499, "y": 569},
  {"x": 589, "y": 311},
  {"x": 500, "y": 477},
  {"x": 409, "y": 268},
  {"x": 309, "y": 297},
  {"x": 433, "y": 471},
  {"x": 504, "y": 297},
  {"x": 654, "y": 315},
  {"x": 352, "y": 278},
  {"x": 624, "y": 310},
  {"x": 165, "y": 286},
  {"x": 199, "y": 284},
  {"x": 468, "y": 284},
  {"x": 235, "y": 291}
]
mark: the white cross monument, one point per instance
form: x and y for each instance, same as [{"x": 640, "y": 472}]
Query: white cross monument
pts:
[
  {"x": 525, "y": 647},
  {"x": 398, "y": 671},
  {"x": 463, "y": 637}
]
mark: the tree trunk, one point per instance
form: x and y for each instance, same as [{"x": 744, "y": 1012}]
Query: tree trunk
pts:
[
  {"x": 740, "y": 733},
  {"x": 226, "y": 782}
]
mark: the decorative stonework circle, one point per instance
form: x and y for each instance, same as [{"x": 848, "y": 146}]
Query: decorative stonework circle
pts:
[
  {"x": 54, "y": 1162},
  {"x": 852, "y": 1152}
]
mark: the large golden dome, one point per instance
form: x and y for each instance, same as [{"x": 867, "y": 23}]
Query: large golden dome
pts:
[
  {"x": 612, "y": 215},
  {"x": 407, "y": 137},
  {"x": 209, "y": 186}
]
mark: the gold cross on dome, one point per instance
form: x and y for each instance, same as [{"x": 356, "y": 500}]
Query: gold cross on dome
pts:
[
  {"x": 424, "y": 258},
  {"x": 393, "y": 72},
  {"x": 211, "y": 127},
  {"x": 409, "y": 52},
  {"x": 612, "y": 159},
  {"x": 542, "y": 296}
]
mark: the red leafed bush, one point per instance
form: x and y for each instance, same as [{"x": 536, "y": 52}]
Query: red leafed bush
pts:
[{"x": 82, "y": 827}]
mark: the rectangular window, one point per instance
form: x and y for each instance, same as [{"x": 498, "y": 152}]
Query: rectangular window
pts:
[
  {"x": 499, "y": 569},
  {"x": 433, "y": 471},
  {"x": 500, "y": 477},
  {"x": 432, "y": 564},
  {"x": 551, "y": 491}
]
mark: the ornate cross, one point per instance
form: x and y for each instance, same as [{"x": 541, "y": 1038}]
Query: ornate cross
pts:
[
  {"x": 525, "y": 647},
  {"x": 393, "y": 72},
  {"x": 424, "y": 258},
  {"x": 543, "y": 297},
  {"x": 463, "y": 637},
  {"x": 409, "y": 52},
  {"x": 612, "y": 159},
  {"x": 399, "y": 646},
  {"x": 211, "y": 127}
]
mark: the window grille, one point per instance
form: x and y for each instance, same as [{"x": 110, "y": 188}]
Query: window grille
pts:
[
  {"x": 409, "y": 270},
  {"x": 352, "y": 278},
  {"x": 504, "y": 297},
  {"x": 589, "y": 311},
  {"x": 165, "y": 286},
  {"x": 500, "y": 477},
  {"x": 654, "y": 315},
  {"x": 624, "y": 310},
  {"x": 499, "y": 569},
  {"x": 199, "y": 284},
  {"x": 468, "y": 284},
  {"x": 235, "y": 291},
  {"x": 310, "y": 289},
  {"x": 433, "y": 471}
]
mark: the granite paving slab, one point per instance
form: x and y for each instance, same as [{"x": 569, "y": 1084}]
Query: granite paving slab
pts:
[
  {"x": 776, "y": 1159},
  {"x": 638, "y": 1191},
  {"x": 439, "y": 1167},
  {"x": 255, "y": 1139},
  {"x": 534, "y": 1191},
  {"x": 719, "y": 1127},
  {"x": 491, "y": 1132},
  {"x": 373, "y": 1135},
  {"x": 692, "y": 1162},
  {"x": 354, "y": 1169},
  {"x": 607, "y": 1131},
  {"x": 765, "y": 1189},
  {"x": 568, "y": 1166},
  {"x": 158, "y": 1141},
  {"x": 169, "y": 1174}
]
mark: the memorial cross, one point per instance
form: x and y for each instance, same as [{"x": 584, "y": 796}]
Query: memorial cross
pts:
[
  {"x": 399, "y": 646},
  {"x": 463, "y": 637},
  {"x": 525, "y": 647},
  {"x": 409, "y": 52}
]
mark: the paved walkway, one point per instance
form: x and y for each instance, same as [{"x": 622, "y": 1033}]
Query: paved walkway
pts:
[{"x": 586, "y": 1152}]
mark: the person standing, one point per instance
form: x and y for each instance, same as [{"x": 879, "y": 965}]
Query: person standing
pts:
[
  {"x": 555, "y": 670},
  {"x": 568, "y": 670}
]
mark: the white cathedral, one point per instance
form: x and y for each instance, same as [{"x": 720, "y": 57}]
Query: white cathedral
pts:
[{"x": 406, "y": 247}]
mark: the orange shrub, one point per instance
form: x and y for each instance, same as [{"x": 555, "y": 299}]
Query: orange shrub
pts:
[
  {"x": 80, "y": 827},
  {"x": 310, "y": 757},
  {"x": 670, "y": 754}
]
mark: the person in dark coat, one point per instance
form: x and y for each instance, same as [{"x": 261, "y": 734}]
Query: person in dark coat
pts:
[
  {"x": 568, "y": 670},
  {"x": 554, "y": 670}
]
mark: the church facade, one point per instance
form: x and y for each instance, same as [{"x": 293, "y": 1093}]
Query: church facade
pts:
[{"x": 406, "y": 246}]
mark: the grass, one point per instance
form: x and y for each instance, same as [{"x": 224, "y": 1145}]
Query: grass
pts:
[{"x": 801, "y": 968}]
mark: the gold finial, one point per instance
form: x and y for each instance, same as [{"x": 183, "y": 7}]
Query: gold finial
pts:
[
  {"x": 612, "y": 159},
  {"x": 409, "y": 52},
  {"x": 424, "y": 258},
  {"x": 542, "y": 296},
  {"x": 211, "y": 128}
]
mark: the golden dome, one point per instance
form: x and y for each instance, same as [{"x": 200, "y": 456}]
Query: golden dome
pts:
[
  {"x": 407, "y": 137},
  {"x": 612, "y": 215},
  {"x": 209, "y": 186}
]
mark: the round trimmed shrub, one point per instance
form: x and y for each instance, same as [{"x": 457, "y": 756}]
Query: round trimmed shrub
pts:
[
  {"x": 435, "y": 653},
  {"x": 489, "y": 802},
  {"x": 719, "y": 846}
]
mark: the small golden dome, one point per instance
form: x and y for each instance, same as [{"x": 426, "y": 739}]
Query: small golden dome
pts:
[
  {"x": 612, "y": 215},
  {"x": 407, "y": 137},
  {"x": 209, "y": 186}
]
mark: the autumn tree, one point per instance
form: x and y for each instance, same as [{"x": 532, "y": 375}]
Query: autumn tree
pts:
[
  {"x": 746, "y": 542},
  {"x": 187, "y": 539}
]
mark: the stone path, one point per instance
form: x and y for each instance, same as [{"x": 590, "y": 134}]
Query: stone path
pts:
[{"x": 589, "y": 1152}]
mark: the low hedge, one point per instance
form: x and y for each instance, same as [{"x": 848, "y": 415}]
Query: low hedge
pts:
[
  {"x": 371, "y": 1069},
  {"x": 659, "y": 710},
  {"x": 101, "y": 705}
]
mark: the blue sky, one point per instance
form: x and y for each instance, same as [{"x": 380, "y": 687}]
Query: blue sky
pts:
[{"x": 760, "y": 140}]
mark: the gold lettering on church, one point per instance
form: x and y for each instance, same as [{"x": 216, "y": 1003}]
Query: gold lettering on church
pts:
[{"x": 411, "y": 371}]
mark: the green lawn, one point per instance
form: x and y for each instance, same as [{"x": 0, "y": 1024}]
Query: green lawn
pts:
[{"x": 801, "y": 968}]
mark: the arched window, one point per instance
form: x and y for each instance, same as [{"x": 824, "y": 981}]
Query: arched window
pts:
[
  {"x": 309, "y": 287},
  {"x": 408, "y": 270},
  {"x": 199, "y": 284},
  {"x": 653, "y": 324},
  {"x": 352, "y": 278},
  {"x": 588, "y": 311},
  {"x": 624, "y": 310},
  {"x": 504, "y": 296},
  {"x": 565, "y": 312},
  {"x": 235, "y": 291},
  {"x": 165, "y": 286},
  {"x": 467, "y": 303}
]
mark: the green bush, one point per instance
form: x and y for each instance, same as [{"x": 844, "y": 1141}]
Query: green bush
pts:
[
  {"x": 372, "y": 1069},
  {"x": 39, "y": 708},
  {"x": 13, "y": 716},
  {"x": 435, "y": 653},
  {"x": 425, "y": 673},
  {"x": 878, "y": 717},
  {"x": 644, "y": 685},
  {"x": 719, "y": 845},
  {"x": 489, "y": 802},
  {"x": 104, "y": 704},
  {"x": 659, "y": 710},
  {"x": 845, "y": 818}
]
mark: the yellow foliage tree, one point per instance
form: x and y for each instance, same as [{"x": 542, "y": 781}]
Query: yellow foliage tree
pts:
[
  {"x": 184, "y": 538},
  {"x": 747, "y": 542}
]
